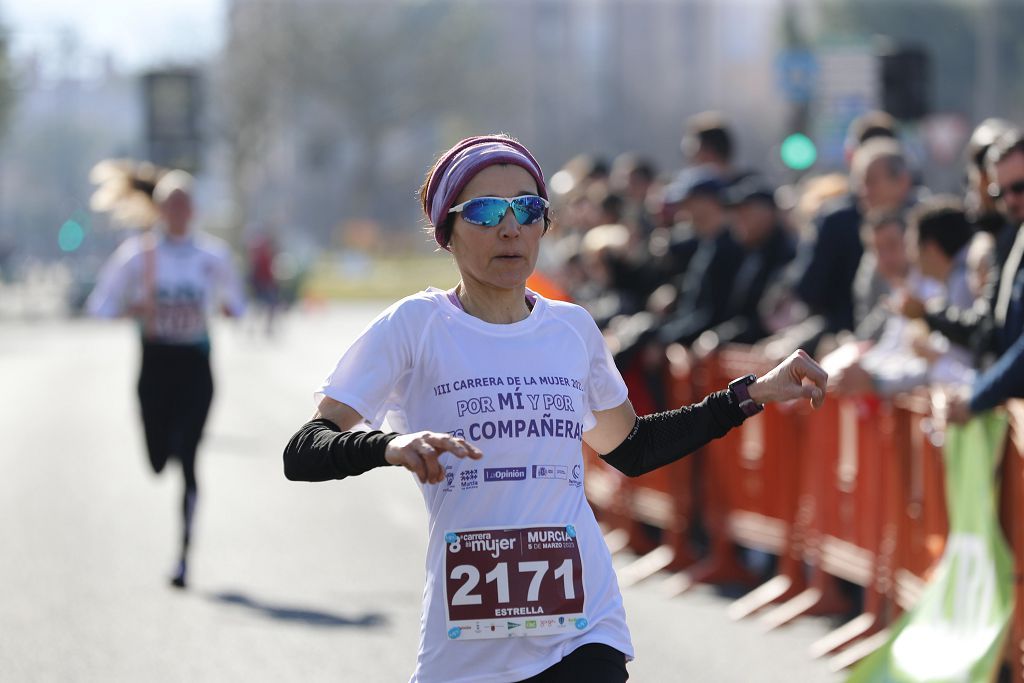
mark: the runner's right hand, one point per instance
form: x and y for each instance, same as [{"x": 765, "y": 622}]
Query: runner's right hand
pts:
[{"x": 418, "y": 452}]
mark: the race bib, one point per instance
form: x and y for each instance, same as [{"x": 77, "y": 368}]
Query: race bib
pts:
[
  {"x": 518, "y": 581},
  {"x": 180, "y": 320}
]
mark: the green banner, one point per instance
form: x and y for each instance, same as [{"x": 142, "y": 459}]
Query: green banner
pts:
[{"x": 956, "y": 632}]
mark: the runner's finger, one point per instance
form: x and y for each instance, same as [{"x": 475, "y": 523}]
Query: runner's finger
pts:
[
  {"x": 414, "y": 462},
  {"x": 471, "y": 450},
  {"x": 454, "y": 445},
  {"x": 429, "y": 454},
  {"x": 815, "y": 373}
]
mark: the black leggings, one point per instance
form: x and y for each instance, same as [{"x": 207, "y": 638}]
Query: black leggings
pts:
[
  {"x": 175, "y": 392},
  {"x": 593, "y": 663}
]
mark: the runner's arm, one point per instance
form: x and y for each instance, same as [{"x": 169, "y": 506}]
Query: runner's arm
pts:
[
  {"x": 652, "y": 441},
  {"x": 636, "y": 445},
  {"x": 325, "y": 448}
]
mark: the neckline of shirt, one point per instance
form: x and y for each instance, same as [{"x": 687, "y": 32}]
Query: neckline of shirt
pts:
[{"x": 527, "y": 324}]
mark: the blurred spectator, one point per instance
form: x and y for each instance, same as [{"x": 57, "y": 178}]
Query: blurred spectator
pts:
[
  {"x": 813, "y": 193},
  {"x": 578, "y": 174},
  {"x": 767, "y": 248},
  {"x": 981, "y": 263},
  {"x": 867, "y": 126},
  {"x": 883, "y": 269},
  {"x": 981, "y": 206},
  {"x": 263, "y": 282},
  {"x": 938, "y": 237},
  {"x": 903, "y": 356},
  {"x": 979, "y": 326},
  {"x": 995, "y": 323},
  {"x": 825, "y": 270},
  {"x": 632, "y": 177},
  {"x": 602, "y": 256},
  {"x": 704, "y": 288},
  {"x": 708, "y": 142}
]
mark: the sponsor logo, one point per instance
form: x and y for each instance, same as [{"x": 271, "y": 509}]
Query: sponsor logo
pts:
[
  {"x": 460, "y": 433},
  {"x": 469, "y": 479},
  {"x": 454, "y": 632},
  {"x": 512, "y": 624},
  {"x": 581, "y": 624},
  {"x": 570, "y": 531},
  {"x": 451, "y": 537},
  {"x": 550, "y": 472},
  {"x": 504, "y": 473},
  {"x": 561, "y": 621},
  {"x": 547, "y": 622},
  {"x": 531, "y": 623},
  {"x": 575, "y": 476},
  {"x": 449, "y": 479}
]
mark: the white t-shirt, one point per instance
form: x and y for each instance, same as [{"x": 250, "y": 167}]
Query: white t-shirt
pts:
[
  {"x": 523, "y": 393},
  {"x": 188, "y": 276}
]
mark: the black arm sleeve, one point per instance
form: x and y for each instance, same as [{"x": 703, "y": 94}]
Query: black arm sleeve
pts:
[
  {"x": 319, "y": 451},
  {"x": 663, "y": 438}
]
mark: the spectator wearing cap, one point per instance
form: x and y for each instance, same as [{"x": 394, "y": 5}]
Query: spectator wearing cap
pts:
[{"x": 767, "y": 248}]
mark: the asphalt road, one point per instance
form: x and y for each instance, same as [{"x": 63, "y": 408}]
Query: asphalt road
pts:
[{"x": 289, "y": 582}]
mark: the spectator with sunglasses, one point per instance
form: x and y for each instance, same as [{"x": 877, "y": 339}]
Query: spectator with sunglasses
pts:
[
  {"x": 996, "y": 322},
  {"x": 492, "y": 390}
]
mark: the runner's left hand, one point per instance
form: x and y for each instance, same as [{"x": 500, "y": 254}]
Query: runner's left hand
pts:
[{"x": 799, "y": 376}]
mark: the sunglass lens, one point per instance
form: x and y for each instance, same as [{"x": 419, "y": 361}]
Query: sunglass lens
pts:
[
  {"x": 486, "y": 211},
  {"x": 529, "y": 209}
]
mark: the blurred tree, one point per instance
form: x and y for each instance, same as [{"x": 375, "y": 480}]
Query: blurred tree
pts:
[
  {"x": 7, "y": 92},
  {"x": 360, "y": 78}
]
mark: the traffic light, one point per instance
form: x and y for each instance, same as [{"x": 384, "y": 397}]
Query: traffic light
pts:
[
  {"x": 70, "y": 236},
  {"x": 173, "y": 99},
  {"x": 798, "y": 152},
  {"x": 906, "y": 81}
]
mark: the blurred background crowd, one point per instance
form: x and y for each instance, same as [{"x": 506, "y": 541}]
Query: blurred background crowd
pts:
[
  {"x": 837, "y": 263},
  {"x": 786, "y": 173},
  {"x": 308, "y": 128}
]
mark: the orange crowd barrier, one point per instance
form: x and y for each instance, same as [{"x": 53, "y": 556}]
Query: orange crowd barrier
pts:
[
  {"x": 853, "y": 492},
  {"x": 1012, "y": 514}
]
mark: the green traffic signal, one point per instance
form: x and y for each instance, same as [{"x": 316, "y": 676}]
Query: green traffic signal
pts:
[
  {"x": 798, "y": 152},
  {"x": 71, "y": 236}
]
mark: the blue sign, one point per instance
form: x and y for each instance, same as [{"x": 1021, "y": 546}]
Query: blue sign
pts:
[{"x": 797, "y": 72}]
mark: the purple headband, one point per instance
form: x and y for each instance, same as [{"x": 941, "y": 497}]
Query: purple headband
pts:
[{"x": 457, "y": 166}]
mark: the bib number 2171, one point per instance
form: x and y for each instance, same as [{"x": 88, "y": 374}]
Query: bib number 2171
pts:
[{"x": 520, "y": 581}]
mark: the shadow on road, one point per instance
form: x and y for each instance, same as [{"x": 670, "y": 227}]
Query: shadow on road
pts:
[{"x": 295, "y": 614}]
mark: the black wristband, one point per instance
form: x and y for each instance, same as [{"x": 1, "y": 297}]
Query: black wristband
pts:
[
  {"x": 319, "y": 451},
  {"x": 663, "y": 438}
]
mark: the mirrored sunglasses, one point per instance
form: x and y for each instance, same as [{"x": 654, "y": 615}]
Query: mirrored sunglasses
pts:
[{"x": 488, "y": 211}]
